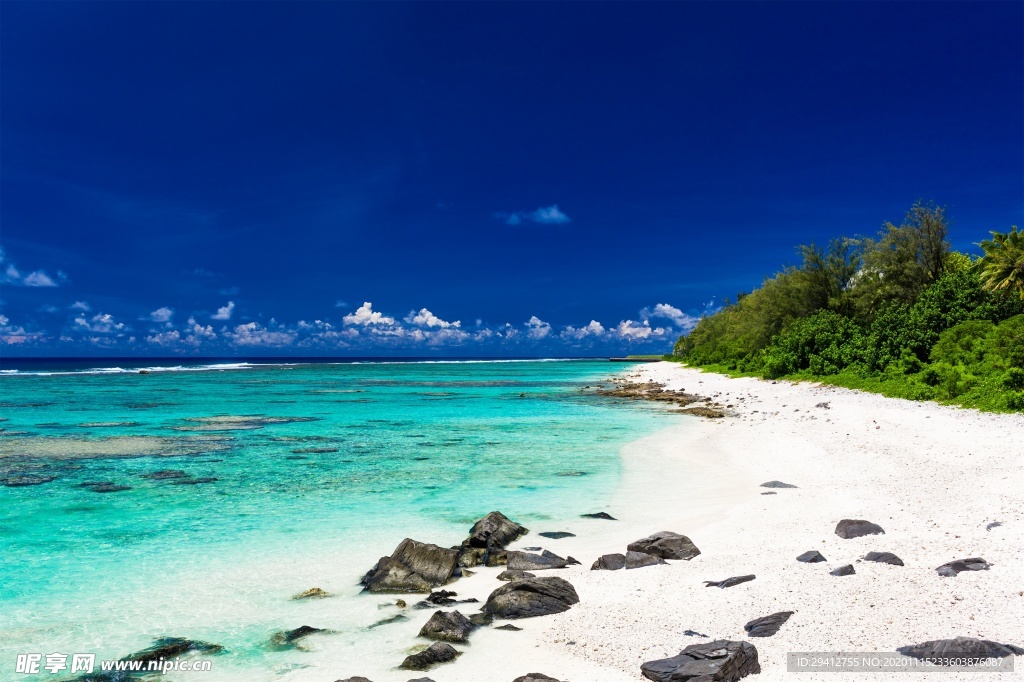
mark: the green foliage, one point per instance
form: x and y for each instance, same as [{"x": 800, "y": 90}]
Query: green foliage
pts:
[
  {"x": 822, "y": 344},
  {"x": 900, "y": 315},
  {"x": 1002, "y": 267}
]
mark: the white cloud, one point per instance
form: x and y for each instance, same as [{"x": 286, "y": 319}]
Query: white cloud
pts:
[
  {"x": 224, "y": 313},
  {"x": 545, "y": 215},
  {"x": 17, "y": 335},
  {"x": 629, "y": 330},
  {"x": 664, "y": 311},
  {"x": 12, "y": 275},
  {"x": 365, "y": 315},
  {"x": 537, "y": 328},
  {"x": 101, "y": 323},
  {"x": 165, "y": 339},
  {"x": 571, "y": 333},
  {"x": 161, "y": 314},
  {"x": 80, "y": 305},
  {"x": 254, "y": 334},
  {"x": 38, "y": 279},
  {"x": 340, "y": 304},
  {"x": 425, "y": 318}
]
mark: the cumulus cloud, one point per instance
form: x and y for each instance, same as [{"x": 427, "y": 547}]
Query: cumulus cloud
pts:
[
  {"x": 629, "y": 330},
  {"x": 664, "y": 311},
  {"x": 169, "y": 338},
  {"x": 80, "y": 305},
  {"x": 425, "y": 318},
  {"x": 101, "y": 323},
  {"x": 571, "y": 333},
  {"x": 254, "y": 334},
  {"x": 161, "y": 314},
  {"x": 224, "y": 312},
  {"x": 365, "y": 315},
  {"x": 38, "y": 279},
  {"x": 17, "y": 335},
  {"x": 12, "y": 275},
  {"x": 545, "y": 215},
  {"x": 537, "y": 328}
]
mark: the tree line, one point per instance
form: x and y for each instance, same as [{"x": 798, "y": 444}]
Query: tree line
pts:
[{"x": 899, "y": 313}]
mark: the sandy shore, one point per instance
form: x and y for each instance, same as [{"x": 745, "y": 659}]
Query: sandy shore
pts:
[{"x": 933, "y": 477}]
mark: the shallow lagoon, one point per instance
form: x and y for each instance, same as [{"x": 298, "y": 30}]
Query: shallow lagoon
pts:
[{"x": 284, "y": 477}]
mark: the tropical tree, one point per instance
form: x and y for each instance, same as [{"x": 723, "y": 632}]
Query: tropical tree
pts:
[{"x": 1002, "y": 266}]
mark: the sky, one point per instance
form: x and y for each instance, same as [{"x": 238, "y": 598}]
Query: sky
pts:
[{"x": 471, "y": 179}]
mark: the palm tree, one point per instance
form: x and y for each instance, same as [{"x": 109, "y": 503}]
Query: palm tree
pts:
[{"x": 1002, "y": 267}]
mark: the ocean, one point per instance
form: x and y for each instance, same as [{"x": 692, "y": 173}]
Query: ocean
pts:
[{"x": 272, "y": 478}]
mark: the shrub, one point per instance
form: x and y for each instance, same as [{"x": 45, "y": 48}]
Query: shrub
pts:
[{"x": 823, "y": 344}]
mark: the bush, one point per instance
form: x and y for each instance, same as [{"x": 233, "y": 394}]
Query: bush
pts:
[
  {"x": 1014, "y": 379},
  {"x": 963, "y": 344},
  {"x": 823, "y": 344},
  {"x": 1015, "y": 400}
]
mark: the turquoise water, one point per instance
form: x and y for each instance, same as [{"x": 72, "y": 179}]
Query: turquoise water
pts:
[{"x": 319, "y": 469}]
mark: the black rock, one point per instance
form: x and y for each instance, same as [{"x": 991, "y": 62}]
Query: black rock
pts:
[
  {"x": 443, "y": 598},
  {"x": 718, "y": 661},
  {"x": 422, "y": 679},
  {"x": 438, "y": 652},
  {"x": 447, "y": 627},
  {"x": 843, "y": 570},
  {"x": 506, "y": 576},
  {"x": 599, "y": 515},
  {"x": 479, "y": 620},
  {"x": 884, "y": 558},
  {"x": 481, "y": 556},
  {"x": 824, "y": 406},
  {"x": 571, "y": 561},
  {"x": 534, "y": 677},
  {"x": 729, "y": 582},
  {"x": 994, "y": 524},
  {"x": 955, "y": 567},
  {"x": 509, "y": 627},
  {"x": 355, "y": 679},
  {"x": 610, "y": 562},
  {"x": 667, "y": 545},
  {"x": 769, "y": 493},
  {"x": 494, "y": 531},
  {"x": 556, "y": 534},
  {"x": 532, "y": 549},
  {"x": 397, "y": 618},
  {"x": 962, "y": 648},
  {"x": 855, "y": 528},
  {"x": 767, "y": 625},
  {"x": 811, "y": 557},
  {"x": 693, "y": 633},
  {"x": 172, "y": 647},
  {"x": 412, "y": 567},
  {"x": 639, "y": 560},
  {"x": 286, "y": 639},
  {"x": 777, "y": 484},
  {"x": 524, "y": 561},
  {"x": 531, "y": 597}
]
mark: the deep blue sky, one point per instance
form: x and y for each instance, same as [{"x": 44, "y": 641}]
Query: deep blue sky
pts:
[{"x": 300, "y": 159}]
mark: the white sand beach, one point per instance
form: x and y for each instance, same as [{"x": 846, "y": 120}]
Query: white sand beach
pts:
[{"x": 933, "y": 477}]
